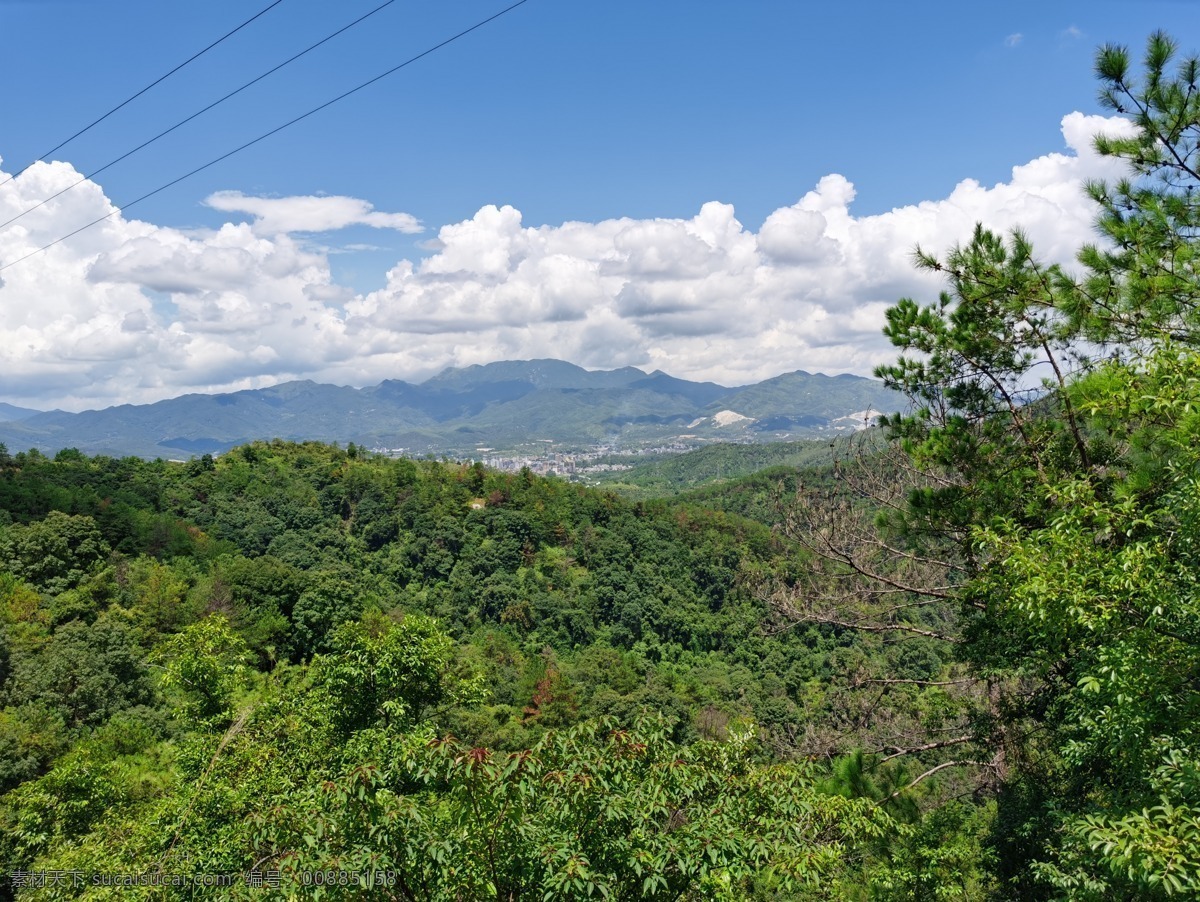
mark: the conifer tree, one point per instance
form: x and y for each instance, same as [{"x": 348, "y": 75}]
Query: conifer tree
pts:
[{"x": 1077, "y": 502}]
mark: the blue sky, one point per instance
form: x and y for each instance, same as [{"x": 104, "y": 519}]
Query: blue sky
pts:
[{"x": 564, "y": 111}]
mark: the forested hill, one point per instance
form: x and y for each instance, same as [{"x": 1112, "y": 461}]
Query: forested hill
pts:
[
  {"x": 337, "y": 532},
  {"x": 725, "y": 464},
  {"x": 189, "y": 652}
]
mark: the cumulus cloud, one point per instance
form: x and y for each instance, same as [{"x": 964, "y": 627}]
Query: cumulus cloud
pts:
[
  {"x": 281, "y": 215},
  {"x": 131, "y": 312}
]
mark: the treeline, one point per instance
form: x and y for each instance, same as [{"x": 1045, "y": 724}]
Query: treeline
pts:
[{"x": 290, "y": 541}]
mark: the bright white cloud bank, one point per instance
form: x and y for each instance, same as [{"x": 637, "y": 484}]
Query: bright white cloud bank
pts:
[{"x": 133, "y": 312}]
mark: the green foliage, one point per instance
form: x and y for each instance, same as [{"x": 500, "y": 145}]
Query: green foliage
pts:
[
  {"x": 1077, "y": 504},
  {"x": 944, "y": 856},
  {"x": 55, "y": 552},
  {"x": 716, "y": 464},
  {"x": 1158, "y": 846},
  {"x": 301, "y": 784},
  {"x": 391, "y": 674},
  {"x": 206, "y": 663},
  {"x": 31, "y": 736},
  {"x": 1104, "y": 598},
  {"x": 331, "y": 599},
  {"x": 555, "y": 605},
  {"x": 85, "y": 673},
  {"x": 1145, "y": 282},
  {"x": 590, "y": 813}
]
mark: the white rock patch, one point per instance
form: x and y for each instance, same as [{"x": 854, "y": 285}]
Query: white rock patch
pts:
[{"x": 730, "y": 418}]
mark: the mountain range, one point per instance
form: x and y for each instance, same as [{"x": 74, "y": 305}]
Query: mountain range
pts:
[
  {"x": 498, "y": 406},
  {"x": 10, "y": 412}
]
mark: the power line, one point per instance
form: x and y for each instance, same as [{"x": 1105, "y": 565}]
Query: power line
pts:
[
  {"x": 274, "y": 131},
  {"x": 198, "y": 113},
  {"x": 134, "y": 97}
]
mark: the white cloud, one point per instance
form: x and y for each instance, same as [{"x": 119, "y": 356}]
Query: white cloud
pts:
[
  {"x": 1013, "y": 39},
  {"x": 281, "y": 215},
  {"x": 132, "y": 312}
]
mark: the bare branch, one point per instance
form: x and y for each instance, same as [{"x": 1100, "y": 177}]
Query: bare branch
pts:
[
  {"x": 933, "y": 770},
  {"x": 858, "y": 578},
  {"x": 796, "y": 616},
  {"x": 899, "y": 682},
  {"x": 899, "y": 752}
]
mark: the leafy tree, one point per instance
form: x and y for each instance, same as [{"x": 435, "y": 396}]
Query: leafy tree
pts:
[
  {"x": 333, "y": 598},
  {"x": 1073, "y": 507},
  {"x": 54, "y": 552},
  {"x": 382, "y": 672},
  {"x": 31, "y": 736},
  {"x": 85, "y": 672},
  {"x": 592, "y": 812},
  {"x": 207, "y": 662}
]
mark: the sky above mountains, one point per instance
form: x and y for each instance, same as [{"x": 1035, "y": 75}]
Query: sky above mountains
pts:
[{"x": 723, "y": 191}]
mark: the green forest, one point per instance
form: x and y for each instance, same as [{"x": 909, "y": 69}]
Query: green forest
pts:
[{"x": 957, "y": 658}]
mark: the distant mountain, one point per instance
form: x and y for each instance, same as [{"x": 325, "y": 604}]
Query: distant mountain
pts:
[
  {"x": 544, "y": 374},
  {"x": 498, "y": 405},
  {"x": 9, "y": 413},
  {"x": 697, "y": 392},
  {"x": 809, "y": 394}
]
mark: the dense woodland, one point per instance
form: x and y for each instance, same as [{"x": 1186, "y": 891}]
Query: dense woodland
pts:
[
  {"x": 199, "y": 644},
  {"x": 962, "y": 661}
]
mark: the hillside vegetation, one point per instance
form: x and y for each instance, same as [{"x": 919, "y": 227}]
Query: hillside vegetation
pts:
[
  {"x": 190, "y": 652},
  {"x": 716, "y": 464}
]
